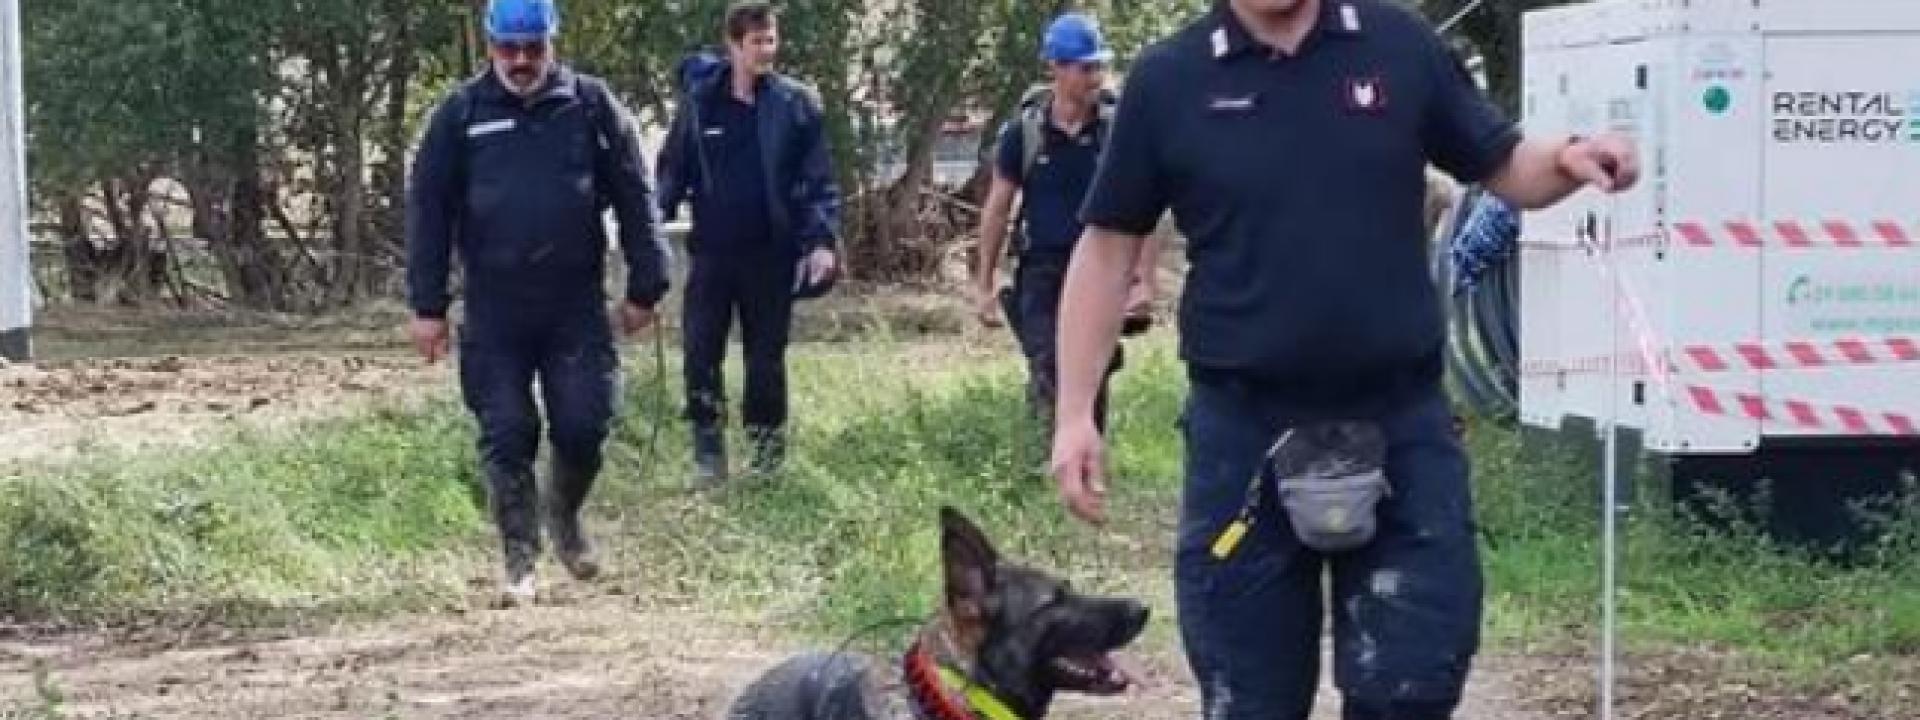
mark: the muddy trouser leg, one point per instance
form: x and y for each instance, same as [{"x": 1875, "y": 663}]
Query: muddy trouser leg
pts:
[
  {"x": 496, "y": 382},
  {"x": 1038, "y": 286},
  {"x": 706, "y": 316},
  {"x": 579, "y": 382},
  {"x": 766, "y": 323},
  {"x": 1250, "y": 623},
  {"x": 1408, "y": 607}
]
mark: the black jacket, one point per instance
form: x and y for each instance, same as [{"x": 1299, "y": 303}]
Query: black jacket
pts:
[
  {"x": 803, "y": 197},
  {"x": 519, "y": 187}
]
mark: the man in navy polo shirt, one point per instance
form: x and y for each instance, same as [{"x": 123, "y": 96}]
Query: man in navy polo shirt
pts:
[
  {"x": 1290, "y": 138},
  {"x": 1068, "y": 119}
]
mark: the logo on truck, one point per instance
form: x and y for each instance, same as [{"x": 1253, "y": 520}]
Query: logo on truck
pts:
[{"x": 1845, "y": 117}]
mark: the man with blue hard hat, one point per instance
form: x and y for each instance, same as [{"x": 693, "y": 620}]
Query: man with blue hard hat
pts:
[
  {"x": 747, "y": 149},
  {"x": 1325, "y": 484},
  {"x": 514, "y": 171},
  {"x": 1046, "y": 156}
]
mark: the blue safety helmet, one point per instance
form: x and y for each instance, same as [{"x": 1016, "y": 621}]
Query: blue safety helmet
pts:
[
  {"x": 1074, "y": 38},
  {"x": 522, "y": 20}
]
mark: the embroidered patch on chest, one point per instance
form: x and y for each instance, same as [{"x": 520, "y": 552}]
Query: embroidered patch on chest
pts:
[
  {"x": 489, "y": 128},
  {"x": 1365, "y": 95}
]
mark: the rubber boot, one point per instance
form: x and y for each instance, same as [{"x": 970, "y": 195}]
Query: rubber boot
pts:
[
  {"x": 571, "y": 483},
  {"x": 769, "y": 448},
  {"x": 514, "y": 499},
  {"x": 709, "y": 458}
]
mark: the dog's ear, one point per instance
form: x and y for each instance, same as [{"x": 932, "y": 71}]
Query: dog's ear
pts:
[{"x": 969, "y": 561}]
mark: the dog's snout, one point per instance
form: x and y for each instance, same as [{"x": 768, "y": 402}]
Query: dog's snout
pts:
[{"x": 1131, "y": 617}]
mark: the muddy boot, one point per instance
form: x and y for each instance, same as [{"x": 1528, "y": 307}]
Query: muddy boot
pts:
[
  {"x": 709, "y": 458},
  {"x": 570, "y": 484},
  {"x": 769, "y": 448},
  {"x": 514, "y": 499}
]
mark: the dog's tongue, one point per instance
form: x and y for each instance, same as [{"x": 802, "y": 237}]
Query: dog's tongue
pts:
[
  {"x": 1122, "y": 670},
  {"x": 1113, "y": 673}
]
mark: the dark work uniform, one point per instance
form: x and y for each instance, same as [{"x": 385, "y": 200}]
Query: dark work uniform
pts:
[
  {"x": 517, "y": 187},
  {"x": 1298, "y": 181},
  {"x": 763, "y": 196},
  {"x": 1048, "y": 228}
]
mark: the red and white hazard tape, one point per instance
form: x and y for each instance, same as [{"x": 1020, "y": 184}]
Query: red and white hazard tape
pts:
[
  {"x": 1794, "y": 355},
  {"x": 1799, "y": 235},
  {"x": 1799, "y": 413},
  {"x": 1659, "y": 364}
]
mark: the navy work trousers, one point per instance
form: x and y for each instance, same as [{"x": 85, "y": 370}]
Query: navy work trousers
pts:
[
  {"x": 569, "y": 349},
  {"x": 1406, "y": 608},
  {"x": 1037, "y": 286},
  {"x": 755, "y": 285}
]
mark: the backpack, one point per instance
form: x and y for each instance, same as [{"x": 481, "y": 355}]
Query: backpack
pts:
[
  {"x": 1032, "y": 116},
  {"x": 1035, "y": 104}
]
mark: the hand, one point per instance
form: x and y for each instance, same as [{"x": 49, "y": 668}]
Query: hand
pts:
[
  {"x": 1078, "y": 454},
  {"x": 429, "y": 338},
  {"x": 986, "y": 305},
  {"x": 821, "y": 264},
  {"x": 1607, "y": 162},
  {"x": 635, "y": 318}
]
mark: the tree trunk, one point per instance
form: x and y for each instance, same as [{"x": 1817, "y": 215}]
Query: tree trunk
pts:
[
  {"x": 82, "y": 258},
  {"x": 390, "y": 178},
  {"x": 262, "y": 271},
  {"x": 228, "y": 204},
  {"x": 349, "y": 192},
  {"x": 131, "y": 265}
]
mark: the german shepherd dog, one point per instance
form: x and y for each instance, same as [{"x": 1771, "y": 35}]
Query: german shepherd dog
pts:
[{"x": 1005, "y": 640}]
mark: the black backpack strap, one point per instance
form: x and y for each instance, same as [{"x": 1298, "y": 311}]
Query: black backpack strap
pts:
[{"x": 595, "y": 96}]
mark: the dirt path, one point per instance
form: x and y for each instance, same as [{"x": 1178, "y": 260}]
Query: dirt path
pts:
[
  {"x": 55, "y": 410},
  {"x": 602, "y": 655}
]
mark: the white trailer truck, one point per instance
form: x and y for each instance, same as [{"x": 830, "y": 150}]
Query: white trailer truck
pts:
[{"x": 1751, "y": 311}]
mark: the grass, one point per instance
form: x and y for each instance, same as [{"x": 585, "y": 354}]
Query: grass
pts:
[
  {"x": 365, "y": 514},
  {"x": 340, "y": 513}
]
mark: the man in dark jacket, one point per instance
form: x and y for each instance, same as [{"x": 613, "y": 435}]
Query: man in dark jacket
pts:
[
  {"x": 515, "y": 170},
  {"x": 749, "y": 149}
]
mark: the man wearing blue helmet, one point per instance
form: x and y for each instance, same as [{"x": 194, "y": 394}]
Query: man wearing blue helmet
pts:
[
  {"x": 514, "y": 171},
  {"x": 1046, "y": 155},
  {"x": 748, "y": 150}
]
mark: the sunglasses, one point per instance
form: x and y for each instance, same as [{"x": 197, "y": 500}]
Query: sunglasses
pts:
[{"x": 529, "y": 48}]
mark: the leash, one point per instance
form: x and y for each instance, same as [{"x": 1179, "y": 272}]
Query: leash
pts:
[{"x": 651, "y": 457}]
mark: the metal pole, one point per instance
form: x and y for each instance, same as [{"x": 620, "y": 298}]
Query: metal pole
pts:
[
  {"x": 16, "y": 272},
  {"x": 1457, "y": 17},
  {"x": 1610, "y": 500}
]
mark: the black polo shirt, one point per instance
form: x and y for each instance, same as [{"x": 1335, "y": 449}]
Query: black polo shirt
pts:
[
  {"x": 735, "y": 216},
  {"x": 1299, "y": 183},
  {"x": 1052, "y": 193}
]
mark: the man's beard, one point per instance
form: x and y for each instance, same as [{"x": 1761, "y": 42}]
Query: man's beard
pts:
[{"x": 522, "y": 80}]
